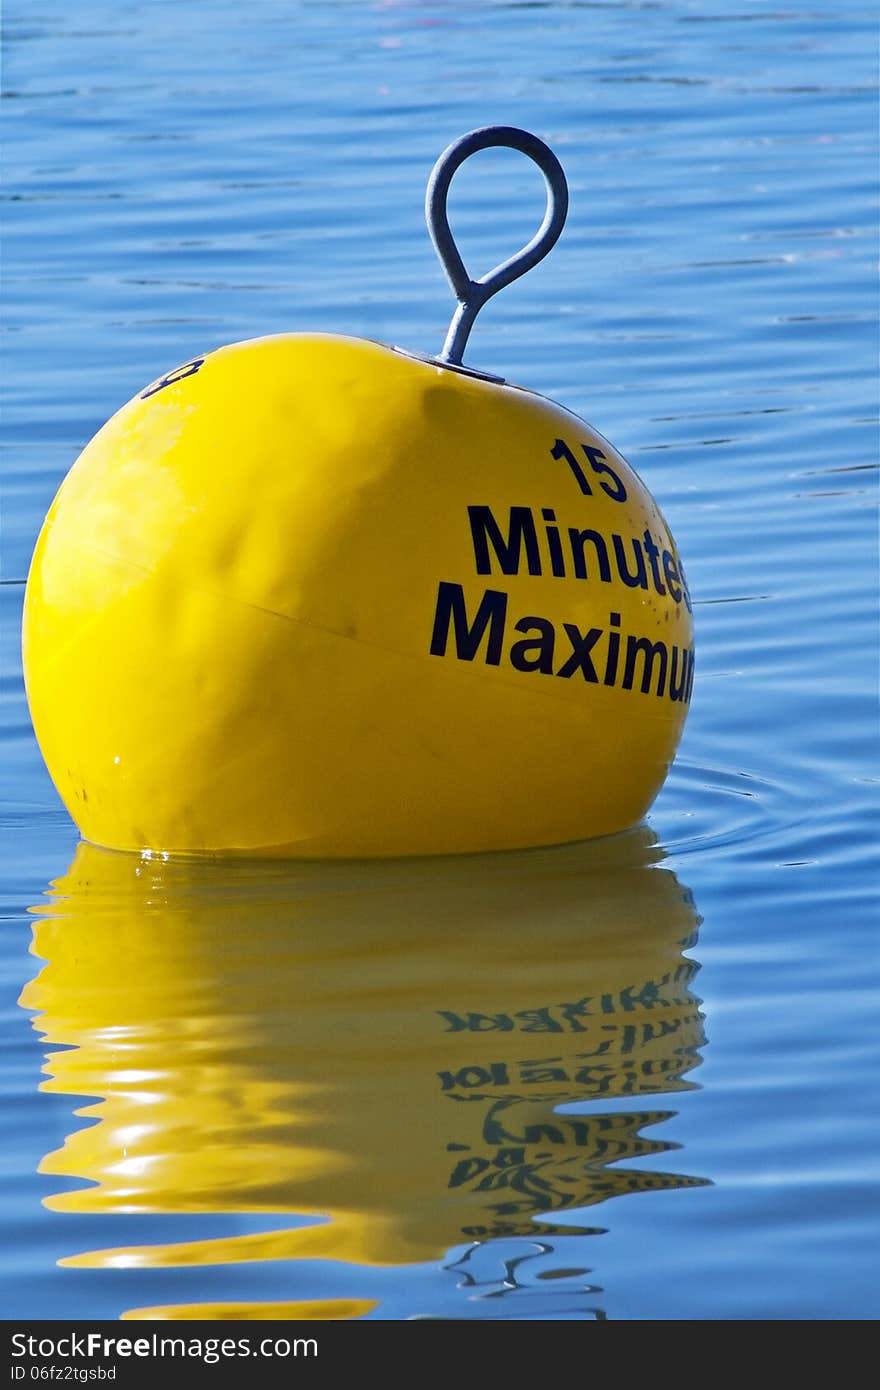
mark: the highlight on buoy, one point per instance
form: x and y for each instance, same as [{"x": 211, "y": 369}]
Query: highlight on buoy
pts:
[{"x": 311, "y": 596}]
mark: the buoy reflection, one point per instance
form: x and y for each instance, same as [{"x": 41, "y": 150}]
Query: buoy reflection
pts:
[{"x": 381, "y": 1047}]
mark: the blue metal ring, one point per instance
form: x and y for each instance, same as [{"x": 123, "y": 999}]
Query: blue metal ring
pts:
[{"x": 472, "y": 294}]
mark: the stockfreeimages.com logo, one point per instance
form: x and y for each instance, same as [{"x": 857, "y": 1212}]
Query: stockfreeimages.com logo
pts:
[{"x": 96, "y": 1346}]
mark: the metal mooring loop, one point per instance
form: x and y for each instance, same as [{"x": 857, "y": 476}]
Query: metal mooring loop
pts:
[{"x": 472, "y": 294}]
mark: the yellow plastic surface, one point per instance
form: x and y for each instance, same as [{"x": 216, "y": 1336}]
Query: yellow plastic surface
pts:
[{"x": 256, "y": 620}]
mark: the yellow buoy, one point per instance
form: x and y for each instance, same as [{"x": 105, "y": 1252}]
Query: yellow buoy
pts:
[{"x": 313, "y": 596}]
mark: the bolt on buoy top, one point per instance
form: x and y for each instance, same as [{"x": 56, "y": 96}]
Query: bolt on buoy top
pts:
[{"x": 473, "y": 294}]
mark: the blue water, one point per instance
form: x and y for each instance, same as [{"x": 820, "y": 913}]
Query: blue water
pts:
[{"x": 237, "y": 1059}]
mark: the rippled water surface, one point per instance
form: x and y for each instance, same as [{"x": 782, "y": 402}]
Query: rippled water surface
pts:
[{"x": 630, "y": 1079}]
